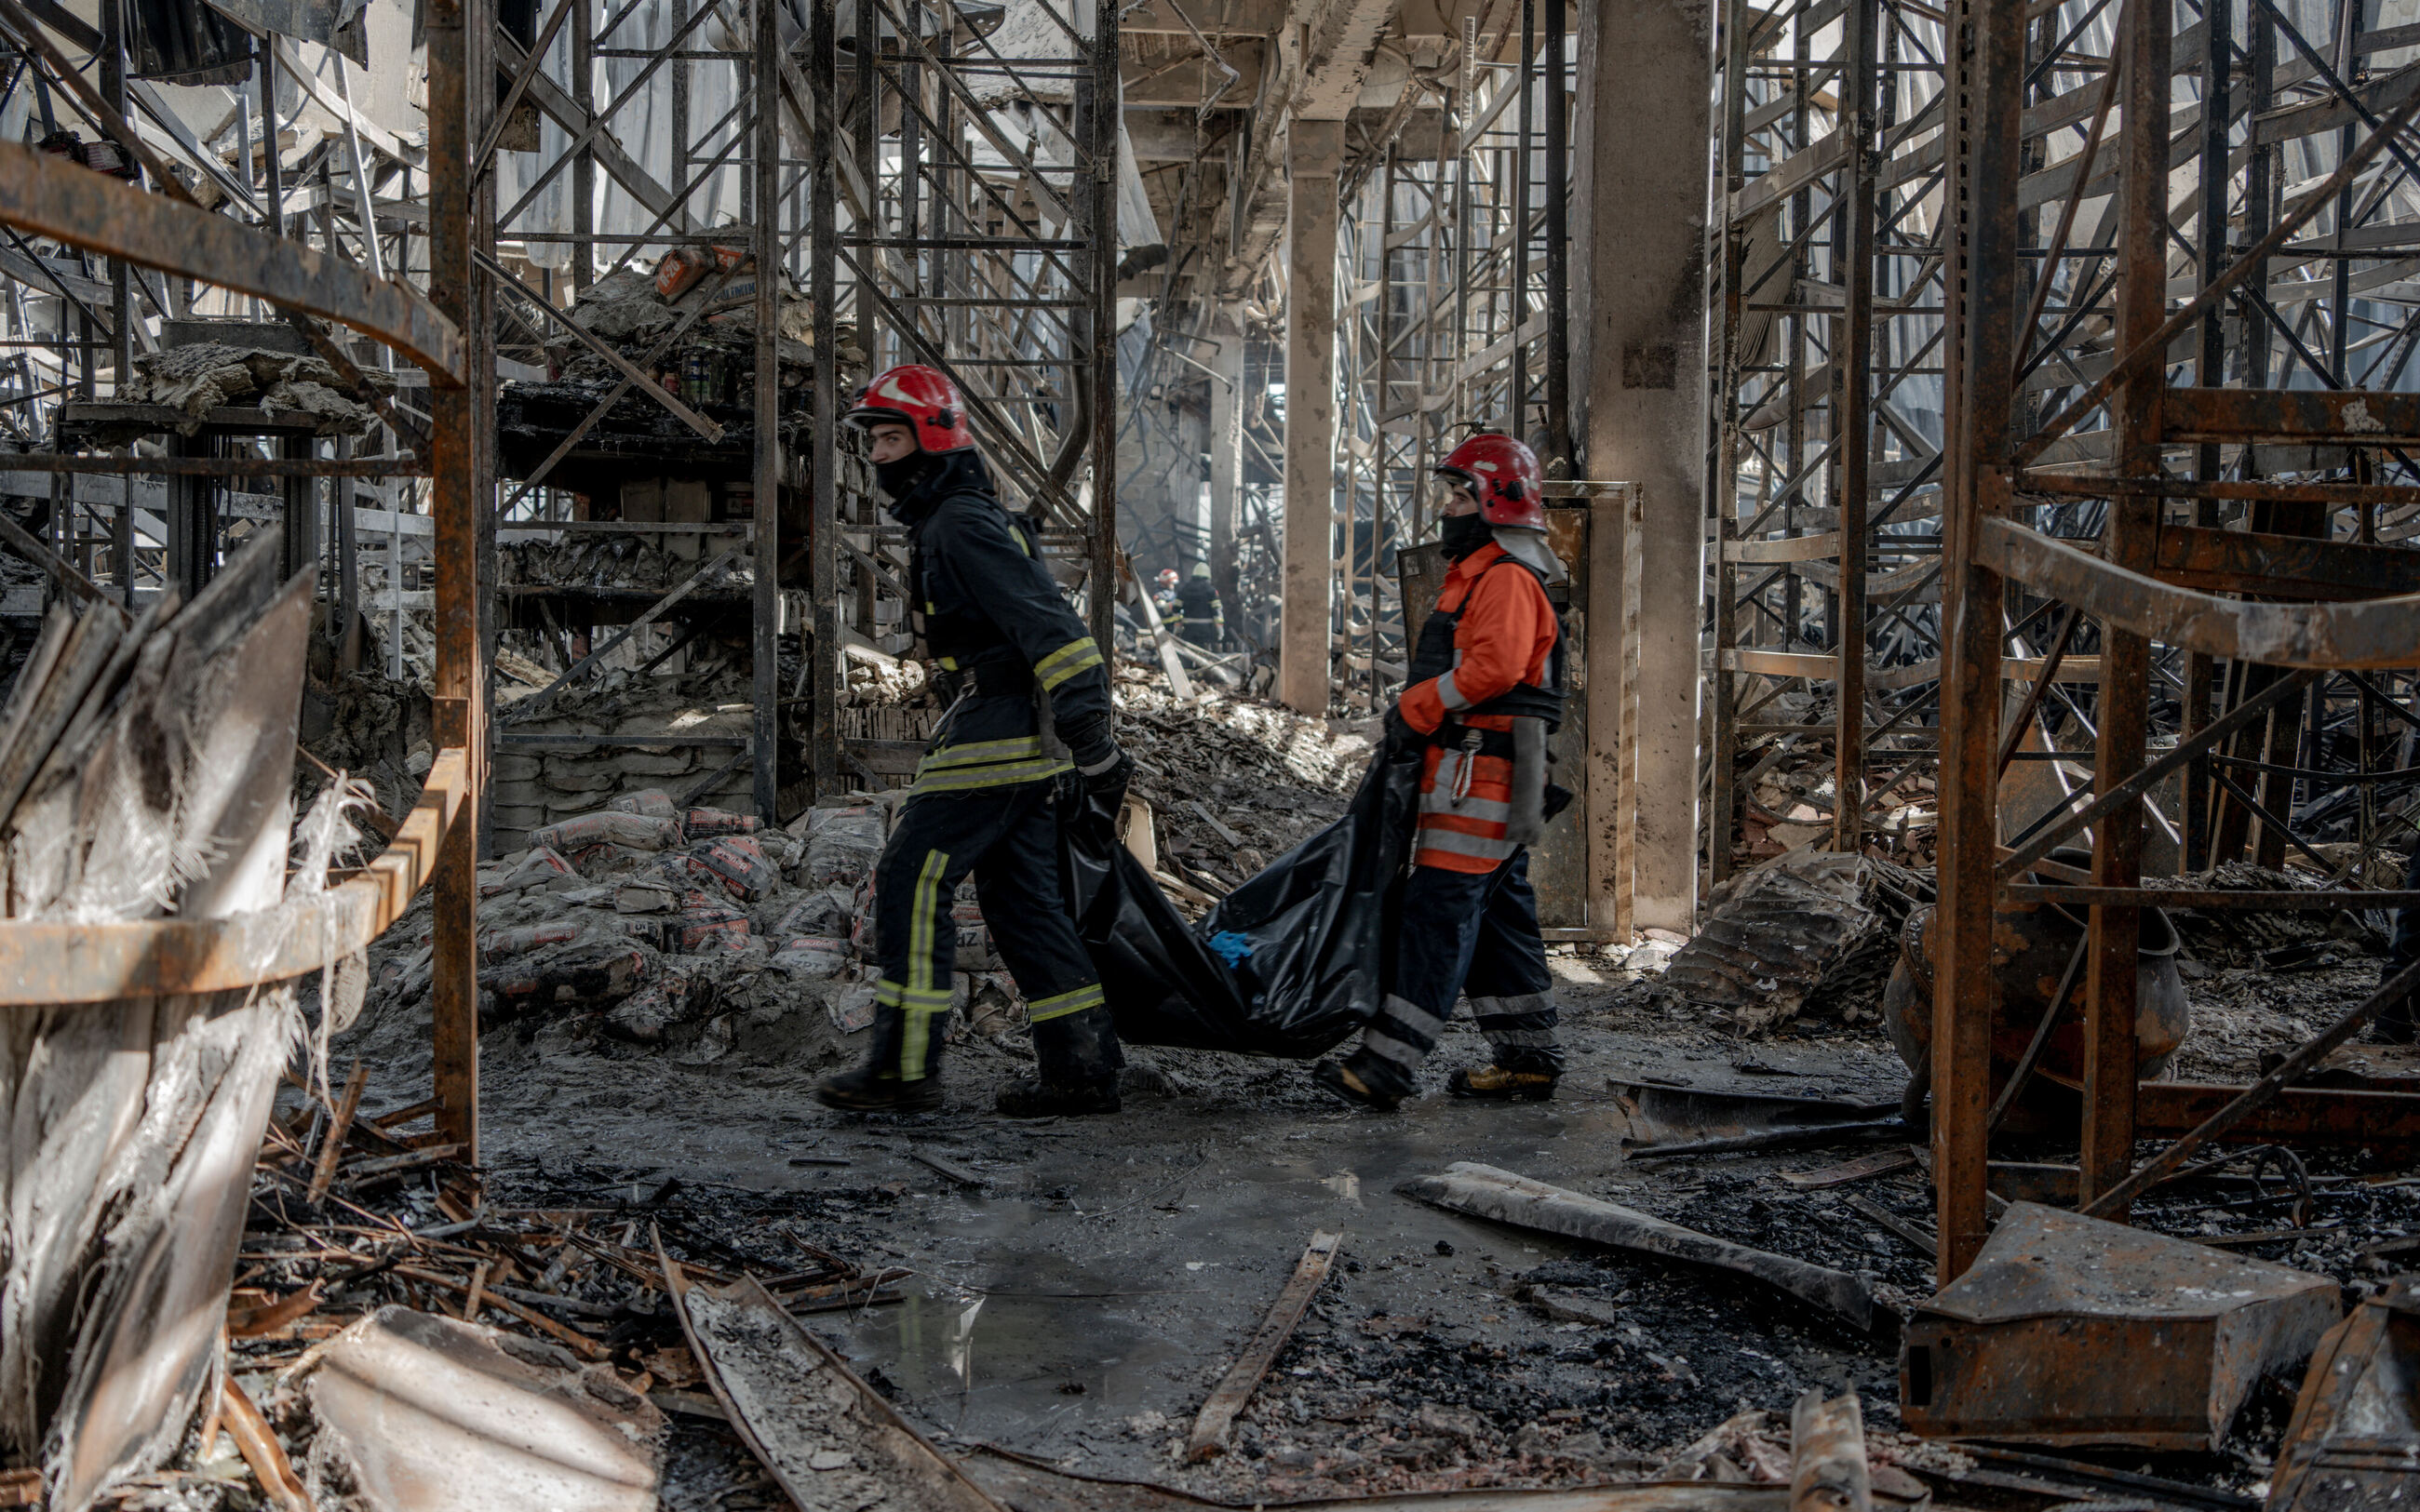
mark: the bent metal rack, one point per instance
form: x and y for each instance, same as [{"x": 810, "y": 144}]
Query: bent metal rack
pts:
[{"x": 2293, "y": 609}]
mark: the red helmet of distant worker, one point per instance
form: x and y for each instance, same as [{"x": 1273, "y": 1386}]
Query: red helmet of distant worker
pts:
[
  {"x": 921, "y": 398},
  {"x": 1504, "y": 474},
  {"x": 1168, "y": 576}
]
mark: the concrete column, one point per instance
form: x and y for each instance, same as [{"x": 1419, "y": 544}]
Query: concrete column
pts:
[
  {"x": 1639, "y": 220},
  {"x": 1226, "y": 466},
  {"x": 1316, "y": 151}
]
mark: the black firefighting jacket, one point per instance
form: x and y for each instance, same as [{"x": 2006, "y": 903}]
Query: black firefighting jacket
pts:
[{"x": 990, "y": 612}]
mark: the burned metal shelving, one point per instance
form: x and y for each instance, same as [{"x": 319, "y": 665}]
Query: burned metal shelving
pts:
[{"x": 2302, "y": 603}]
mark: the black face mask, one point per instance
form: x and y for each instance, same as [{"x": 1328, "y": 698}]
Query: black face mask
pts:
[
  {"x": 1462, "y": 535},
  {"x": 897, "y": 480}
]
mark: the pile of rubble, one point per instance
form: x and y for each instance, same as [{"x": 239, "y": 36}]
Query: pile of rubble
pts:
[
  {"x": 211, "y": 374},
  {"x": 1232, "y": 783},
  {"x": 624, "y": 561},
  {"x": 646, "y": 924}
]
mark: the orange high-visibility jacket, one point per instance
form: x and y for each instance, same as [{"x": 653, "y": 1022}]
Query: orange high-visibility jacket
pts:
[{"x": 1505, "y": 634}]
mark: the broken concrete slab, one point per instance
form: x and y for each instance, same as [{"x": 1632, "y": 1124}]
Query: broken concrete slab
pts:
[
  {"x": 2072, "y": 1331},
  {"x": 2354, "y": 1438},
  {"x": 418, "y": 1413},
  {"x": 1485, "y": 1192}
]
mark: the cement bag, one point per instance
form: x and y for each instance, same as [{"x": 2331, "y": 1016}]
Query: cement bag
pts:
[
  {"x": 842, "y": 844},
  {"x": 1287, "y": 965}
]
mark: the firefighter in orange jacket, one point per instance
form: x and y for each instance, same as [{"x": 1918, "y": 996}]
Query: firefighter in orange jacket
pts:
[{"x": 1486, "y": 691}]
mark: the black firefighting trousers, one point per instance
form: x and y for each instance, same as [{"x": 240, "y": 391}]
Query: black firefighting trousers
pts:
[{"x": 1008, "y": 838}]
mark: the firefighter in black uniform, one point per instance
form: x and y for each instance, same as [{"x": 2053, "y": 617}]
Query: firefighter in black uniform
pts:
[
  {"x": 1206, "y": 618},
  {"x": 1016, "y": 669}
]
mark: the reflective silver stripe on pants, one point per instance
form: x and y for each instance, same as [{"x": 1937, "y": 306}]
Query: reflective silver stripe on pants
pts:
[
  {"x": 1413, "y": 1017},
  {"x": 1387, "y": 1047}
]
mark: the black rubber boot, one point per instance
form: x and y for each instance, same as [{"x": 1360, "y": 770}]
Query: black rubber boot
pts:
[
  {"x": 879, "y": 1085},
  {"x": 1371, "y": 1081},
  {"x": 1077, "y": 1057},
  {"x": 1494, "y": 1083}
]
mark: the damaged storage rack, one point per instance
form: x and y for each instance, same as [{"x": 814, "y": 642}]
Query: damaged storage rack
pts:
[
  {"x": 2311, "y": 614},
  {"x": 150, "y": 1366}
]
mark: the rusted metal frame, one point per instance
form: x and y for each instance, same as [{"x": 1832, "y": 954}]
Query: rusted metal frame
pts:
[
  {"x": 587, "y": 136},
  {"x": 2053, "y": 833},
  {"x": 2335, "y": 86},
  {"x": 532, "y": 706},
  {"x": 766, "y": 673},
  {"x": 72, "y": 204},
  {"x": 2259, "y": 1093},
  {"x": 1025, "y": 469},
  {"x": 1852, "y": 358},
  {"x": 531, "y": 64},
  {"x": 931, "y": 173},
  {"x": 2114, "y": 933},
  {"x": 604, "y": 407},
  {"x": 2363, "y": 633},
  {"x": 2015, "y": 735},
  {"x": 1101, "y": 212},
  {"x": 2284, "y": 566},
  {"x": 356, "y": 383},
  {"x": 18, "y": 539},
  {"x": 2321, "y": 776},
  {"x": 2356, "y": 417},
  {"x": 1983, "y": 104},
  {"x": 704, "y": 427},
  {"x": 2297, "y": 1115},
  {"x": 220, "y": 467},
  {"x": 2049, "y": 266},
  {"x": 2150, "y": 353},
  {"x": 741, "y": 128},
  {"x": 1032, "y": 174},
  {"x": 2337, "y": 495},
  {"x": 824, "y": 537},
  {"x": 459, "y": 706},
  {"x": 2261, "y": 812},
  {"x": 27, "y": 34},
  {"x": 1726, "y": 245}
]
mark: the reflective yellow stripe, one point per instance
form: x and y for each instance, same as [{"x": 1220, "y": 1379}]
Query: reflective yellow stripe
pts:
[
  {"x": 1068, "y": 661},
  {"x": 1074, "y": 1002},
  {"x": 950, "y": 663},
  {"x": 1004, "y": 775},
  {"x": 917, "y": 997},
  {"x": 1016, "y": 748},
  {"x": 1069, "y": 670}
]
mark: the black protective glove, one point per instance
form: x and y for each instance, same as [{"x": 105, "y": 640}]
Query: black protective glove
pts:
[
  {"x": 1399, "y": 730},
  {"x": 1104, "y": 768}
]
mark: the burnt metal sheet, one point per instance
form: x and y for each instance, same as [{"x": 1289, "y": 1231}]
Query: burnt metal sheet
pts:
[
  {"x": 2069, "y": 1330},
  {"x": 2283, "y": 566},
  {"x": 1671, "y": 1116},
  {"x": 831, "y": 1442},
  {"x": 2353, "y": 1442},
  {"x": 2355, "y": 416},
  {"x": 419, "y": 1413},
  {"x": 48, "y": 196},
  {"x": 1485, "y": 1192},
  {"x": 2381, "y": 632}
]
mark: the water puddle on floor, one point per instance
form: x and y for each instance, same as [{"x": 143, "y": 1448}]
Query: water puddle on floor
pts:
[{"x": 1044, "y": 1349}]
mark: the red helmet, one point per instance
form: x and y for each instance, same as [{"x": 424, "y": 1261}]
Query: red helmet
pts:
[
  {"x": 1168, "y": 576},
  {"x": 1504, "y": 474},
  {"x": 923, "y": 399}
]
